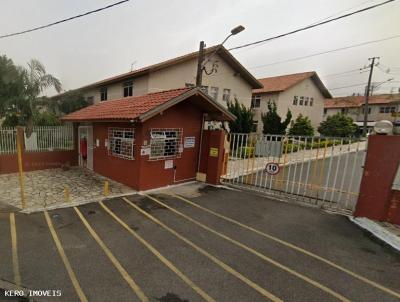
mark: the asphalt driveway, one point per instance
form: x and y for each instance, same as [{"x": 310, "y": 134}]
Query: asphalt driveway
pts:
[{"x": 202, "y": 244}]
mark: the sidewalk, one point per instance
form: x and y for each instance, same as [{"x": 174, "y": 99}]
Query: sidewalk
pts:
[{"x": 384, "y": 231}]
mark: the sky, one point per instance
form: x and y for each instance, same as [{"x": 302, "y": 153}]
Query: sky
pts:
[{"x": 144, "y": 32}]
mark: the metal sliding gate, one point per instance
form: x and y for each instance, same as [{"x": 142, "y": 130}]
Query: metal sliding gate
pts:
[{"x": 323, "y": 171}]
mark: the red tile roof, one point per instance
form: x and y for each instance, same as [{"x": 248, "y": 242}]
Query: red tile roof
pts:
[
  {"x": 281, "y": 83},
  {"x": 357, "y": 101},
  {"x": 128, "y": 108}
]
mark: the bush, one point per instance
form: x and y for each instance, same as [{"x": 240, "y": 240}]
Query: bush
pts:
[
  {"x": 338, "y": 125},
  {"x": 246, "y": 152},
  {"x": 301, "y": 126}
]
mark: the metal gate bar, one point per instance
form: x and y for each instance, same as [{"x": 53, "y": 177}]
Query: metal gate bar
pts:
[{"x": 321, "y": 170}]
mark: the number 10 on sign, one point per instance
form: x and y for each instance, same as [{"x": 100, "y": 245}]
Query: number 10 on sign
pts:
[{"x": 272, "y": 168}]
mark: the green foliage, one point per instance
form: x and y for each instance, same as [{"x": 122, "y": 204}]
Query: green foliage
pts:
[
  {"x": 301, "y": 126},
  {"x": 12, "y": 89},
  {"x": 244, "y": 118},
  {"x": 71, "y": 101},
  {"x": 247, "y": 152},
  {"x": 291, "y": 146},
  {"x": 338, "y": 125},
  {"x": 272, "y": 122},
  {"x": 46, "y": 119},
  {"x": 20, "y": 89}
]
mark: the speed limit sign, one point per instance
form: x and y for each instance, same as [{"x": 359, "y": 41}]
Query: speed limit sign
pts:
[{"x": 272, "y": 168}]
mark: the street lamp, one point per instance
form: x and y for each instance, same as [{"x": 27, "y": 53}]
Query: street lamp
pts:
[{"x": 201, "y": 63}]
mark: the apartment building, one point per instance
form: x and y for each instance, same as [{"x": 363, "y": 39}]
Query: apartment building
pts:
[
  {"x": 301, "y": 93},
  {"x": 224, "y": 80},
  {"x": 380, "y": 107}
]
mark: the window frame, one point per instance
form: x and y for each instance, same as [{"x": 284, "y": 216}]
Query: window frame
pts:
[
  {"x": 127, "y": 88},
  {"x": 255, "y": 100},
  {"x": 103, "y": 94},
  {"x": 162, "y": 143},
  {"x": 214, "y": 94},
  {"x": 295, "y": 100},
  {"x": 226, "y": 95},
  {"x": 126, "y": 137},
  {"x": 301, "y": 101}
]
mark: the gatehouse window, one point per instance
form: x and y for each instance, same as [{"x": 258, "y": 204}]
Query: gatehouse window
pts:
[
  {"x": 165, "y": 143},
  {"x": 121, "y": 142}
]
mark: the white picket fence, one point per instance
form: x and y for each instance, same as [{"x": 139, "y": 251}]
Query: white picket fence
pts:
[
  {"x": 43, "y": 138},
  {"x": 8, "y": 140}
]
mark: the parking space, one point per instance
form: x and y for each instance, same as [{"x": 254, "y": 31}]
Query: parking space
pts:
[{"x": 195, "y": 243}]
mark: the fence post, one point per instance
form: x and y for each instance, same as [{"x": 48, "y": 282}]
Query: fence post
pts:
[{"x": 20, "y": 146}]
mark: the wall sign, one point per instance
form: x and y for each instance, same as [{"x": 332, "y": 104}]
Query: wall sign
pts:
[
  {"x": 272, "y": 168},
  {"x": 168, "y": 164},
  {"x": 213, "y": 152},
  {"x": 145, "y": 150},
  {"x": 189, "y": 142}
]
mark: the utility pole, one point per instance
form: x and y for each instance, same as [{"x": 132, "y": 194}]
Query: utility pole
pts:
[
  {"x": 371, "y": 69},
  {"x": 199, "y": 76}
]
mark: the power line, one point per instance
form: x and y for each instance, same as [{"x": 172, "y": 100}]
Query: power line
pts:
[
  {"x": 361, "y": 84},
  {"x": 325, "y": 52},
  {"x": 64, "y": 20},
  {"x": 312, "y": 25},
  {"x": 341, "y": 73}
]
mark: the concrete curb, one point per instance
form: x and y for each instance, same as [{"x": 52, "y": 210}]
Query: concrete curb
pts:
[{"x": 377, "y": 231}]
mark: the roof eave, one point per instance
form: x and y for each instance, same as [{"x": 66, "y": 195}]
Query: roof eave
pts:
[{"x": 195, "y": 91}]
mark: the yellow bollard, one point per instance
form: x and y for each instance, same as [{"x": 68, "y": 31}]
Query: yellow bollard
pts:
[
  {"x": 66, "y": 194},
  {"x": 20, "y": 145},
  {"x": 106, "y": 190}
]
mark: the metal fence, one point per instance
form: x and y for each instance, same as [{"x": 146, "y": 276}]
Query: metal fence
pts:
[
  {"x": 323, "y": 171},
  {"x": 43, "y": 138},
  {"x": 8, "y": 140}
]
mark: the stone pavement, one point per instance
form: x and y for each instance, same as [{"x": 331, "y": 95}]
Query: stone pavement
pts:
[{"x": 46, "y": 189}]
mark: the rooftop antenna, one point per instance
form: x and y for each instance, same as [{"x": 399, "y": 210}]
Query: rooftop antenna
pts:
[{"x": 133, "y": 64}]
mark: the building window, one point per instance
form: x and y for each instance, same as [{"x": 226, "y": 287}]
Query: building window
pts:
[
  {"x": 344, "y": 110},
  {"x": 301, "y": 100},
  {"x": 311, "y": 102},
  {"x": 226, "y": 97},
  {"x": 103, "y": 93},
  {"x": 387, "y": 109},
  {"x": 255, "y": 126},
  {"x": 128, "y": 88},
  {"x": 121, "y": 142},
  {"x": 325, "y": 111},
  {"x": 189, "y": 85},
  {"x": 165, "y": 143},
  {"x": 90, "y": 99},
  {"x": 295, "y": 100},
  {"x": 369, "y": 110},
  {"x": 255, "y": 101},
  {"x": 214, "y": 92},
  {"x": 205, "y": 89},
  {"x": 306, "y": 101}
]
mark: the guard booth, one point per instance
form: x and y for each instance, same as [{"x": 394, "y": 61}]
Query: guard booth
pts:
[{"x": 154, "y": 140}]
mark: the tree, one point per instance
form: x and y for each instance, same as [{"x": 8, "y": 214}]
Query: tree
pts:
[
  {"x": 272, "y": 122},
  {"x": 36, "y": 81},
  {"x": 12, "y": 88},
  {"x": 301, "y": 126},
  {"x": 20, "y": 89},
  {"x": 338, "y": 125},
  {"x": 71, "y": 101},
  {"x": 244, "y": 118},
  {"x": 46, "y": 119}
]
